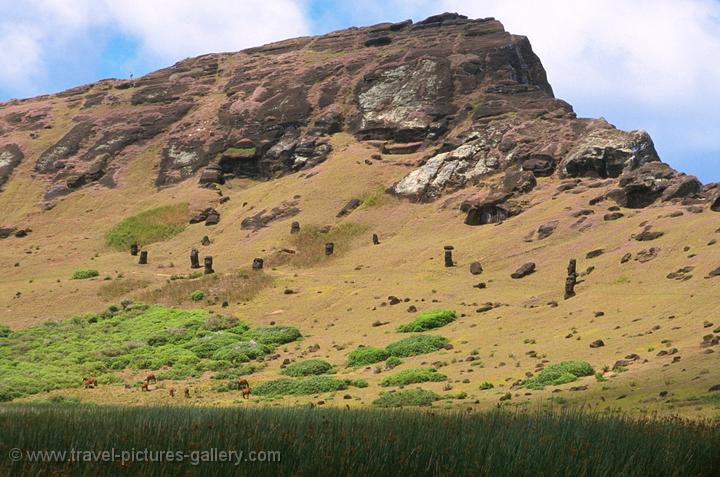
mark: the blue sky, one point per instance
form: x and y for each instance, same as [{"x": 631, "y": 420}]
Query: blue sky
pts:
[{"x": 641, "y": 64}]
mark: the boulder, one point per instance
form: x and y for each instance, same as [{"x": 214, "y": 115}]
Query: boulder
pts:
[
  {"x": 607, "y": 152},
  {"x": 541, "y": 165},
  {"x": 524, "y": 270},
  {"x": 547, "y": 229},
  {"x": 349, "y": 207},
  {"x": 597, "y": 344},
  {"x": 476, "y": 268},
  {"x": 518, "y": 182}
]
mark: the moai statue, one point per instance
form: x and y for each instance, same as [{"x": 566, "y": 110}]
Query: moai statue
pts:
[
  {"x": 134, "y": 249},
  {"x": 295, "y": 228},
  {"x": 448, "y": 256},
  {"x": 571, "y": 279},
  {"x": 143, "y": 257},
  {"x": 258, "y": 264},
  {"x": 194, "y": 259},
  {"x": 376, "y": 239},
  {"x": 208, "y": 266},
  {"x": 329, "y": 248},
  {"x": 205, "y": 241}
]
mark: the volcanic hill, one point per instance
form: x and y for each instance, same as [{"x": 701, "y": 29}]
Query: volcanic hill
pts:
[{"x": 440, "y": 133}]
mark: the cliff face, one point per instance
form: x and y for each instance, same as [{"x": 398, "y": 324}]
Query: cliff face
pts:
[{"x": 470, "y": 94}]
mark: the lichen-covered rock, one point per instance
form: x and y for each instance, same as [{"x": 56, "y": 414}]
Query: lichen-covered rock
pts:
[
  {"x": 444, "y": 171},
  {"x": 643, "y": 186},
  {"x": 608, "y": 152},
  {"x": 10, "y": 157}
]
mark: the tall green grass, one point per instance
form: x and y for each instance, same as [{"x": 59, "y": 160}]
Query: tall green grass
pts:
[
  {"x": 149, "y": 226},
  {"x": 333, "y": 442}
]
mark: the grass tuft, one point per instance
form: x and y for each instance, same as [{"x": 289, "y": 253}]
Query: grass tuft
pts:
[
  {"x": 84, "y": 273},
  {"x": 412, "y": 376},
  {"x": 560, "y": 373},
  {"x": 309, "y": 367},
  {"x": 428, "y": 320}
]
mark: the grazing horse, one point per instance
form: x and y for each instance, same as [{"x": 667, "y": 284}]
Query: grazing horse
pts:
[
  {"x": 187, "y": 393},
  {"x": 244, "y": 386},
  {"x": 145, "y": 387},
  {"x": 89, "y": 382},
  {"x": 150, "y": 377}
]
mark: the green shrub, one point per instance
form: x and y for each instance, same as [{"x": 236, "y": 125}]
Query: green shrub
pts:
[
  {"x": 233, "y": 373},
  {"x": 148, "y": 227},
  {"x": 560, "y": 373},
  {"x": 428, "y": 320},
  {"x": 84, "y": 273},
  {"x": 299, "y": 386},
  {"x": 241, "y": 352},
  {"x": 412, "y": 376},
  {"x": 197, "y": 295},
  {"x": 273, "y": 335},
  {"x": 366, "y": 355},
  {"x": 393, "y": 362},
  {"x": 358, "y": 383},
  {"x": 109, "y": 378},
  {"x": 4, "y": 331},
  {"x": 206, "y": 346},
  {"x": 484, "y": 386},
  {"x": 58, "y": 354},
  {"x": 417, "y": 344},
  {"x": 410, "y": 397},
  {"x": 225, "y": 322},
  {"x": 309, "y": 367}
]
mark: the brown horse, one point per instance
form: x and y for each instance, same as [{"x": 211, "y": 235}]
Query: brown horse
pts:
[
  {"x": 145, "y": 387},
  {"x": 89, "y": 382},
  {"x": 150, "y": 377},
  {"x": 187, "y": 393},
  {"x": 244, "y": 387}
]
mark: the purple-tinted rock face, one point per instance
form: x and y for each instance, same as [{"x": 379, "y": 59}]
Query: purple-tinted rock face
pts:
[{"x": 466, "y": 94}]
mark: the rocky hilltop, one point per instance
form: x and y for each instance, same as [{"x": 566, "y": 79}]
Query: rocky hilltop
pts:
[{"x": 473, "y": 97}]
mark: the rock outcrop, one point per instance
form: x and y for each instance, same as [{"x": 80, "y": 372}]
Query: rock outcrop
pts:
[{"x": 469, "y": 99}]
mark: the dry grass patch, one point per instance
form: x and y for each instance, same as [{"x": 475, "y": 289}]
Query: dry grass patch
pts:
[
  {"x": 233, "y": 287},
  {"x": 121, "y": 287},
  {"x": 309, "y": 244}
]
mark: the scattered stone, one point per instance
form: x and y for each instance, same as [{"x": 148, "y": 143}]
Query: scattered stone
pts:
[
  {"x": 595, "y": 253},
  {"x": 714, "y": 273},
  {"x": 547, "y": 229},
  {"x": 714, "y": 388},
  {"x": 626, "y": 258},
  {"x": 295, "y": 228},
  {"x": 206, "y": 214},
  {"x": 134, "y": 249},
  {"x": 393, "y": 300},
  {"x": 349, "y": 207},
  {"x": 480, "y": 285},
  {"x": 647, "y": 235},
  {"x": 257, "y": 264},
  {"x": 647, "y": 254},
  {"x": 476, "y": 268},
  {"x": 524, "y": 270},
  {"x": 412, "y": 309},
  {"x": 597, "y": 344},
  {"x": 613, "y": 216},
  {"x": 205, "y": 241},
  {"x": 681, "y": 274},
  {"x": 329, "y": 248}
]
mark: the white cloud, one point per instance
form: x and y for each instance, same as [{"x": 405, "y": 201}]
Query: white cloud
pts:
[
  {"x": 36, "y": 33},
  {"x": 174, "y": 29}
]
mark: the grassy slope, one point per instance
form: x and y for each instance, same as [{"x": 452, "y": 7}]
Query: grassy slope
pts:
[{"x": 335, "y": 300}]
